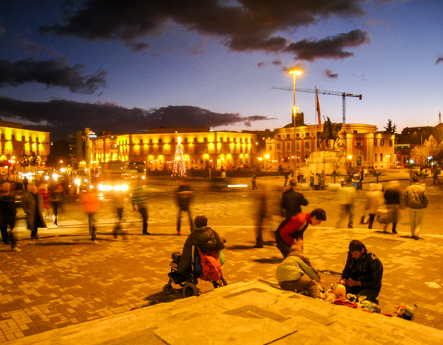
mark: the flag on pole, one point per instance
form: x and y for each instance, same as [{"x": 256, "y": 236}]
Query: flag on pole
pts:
[{"x": 318, "y": 110}]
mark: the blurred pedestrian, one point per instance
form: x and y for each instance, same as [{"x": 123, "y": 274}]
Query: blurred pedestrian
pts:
[
  {"x": 362, "y": 175},
  {"x": 291, "y": 230},
  {"x": 118, "y": 198},
  {"x": 311, "y": 181},
  {"x": 261, "y": 213},
  {"x": 316, "y": 182},
  {"x": 56, "y": 202},
  {"x": 184, "y": 197},
  {"x": 139, "y": 202},
  {"x": 393, "y": 202},
  {"x": 25, "y": 183},
  {"x": 416, "y": 198},
  {"x": 254, "y": 182},
  {"x": 374, "y": 199},
  {"x": 346, "y": 201},
  {"x": 435, "y": 173},
  {"x": 43, "y": 190},
  {"x": 291, "y": 201},
  {"x": 32, "y": 203},
  {"x": 8, "y": 212},
  {"x": 286, "y": 178},
  {"x": 90, "y": 204}
]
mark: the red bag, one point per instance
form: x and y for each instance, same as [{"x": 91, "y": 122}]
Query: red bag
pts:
[{"x": 211, "y": 267}]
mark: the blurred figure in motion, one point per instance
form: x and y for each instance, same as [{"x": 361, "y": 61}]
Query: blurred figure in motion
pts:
[
  {"x": 8, "y": 212},
  {"x": 90, "y": 204},
  {"x": 374, "y": 199},
  {"x": 56, "y": 201},
  {"x": 346, "y": 200},
  {"x": 393, "y": 202},
  {"x": 118, "y": 198},
  {"x": 416, "y": 199},
  {"x": 291, "y": 201},
  {"x": 139, "y": 202},
  {"x": 43, "y": 190},
  {"x": 184, "y": 196},
  {"x": 32, "y": 203},
  {"x": 261, "y": 213}
]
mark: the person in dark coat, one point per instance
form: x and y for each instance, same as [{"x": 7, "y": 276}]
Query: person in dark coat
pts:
[
  {"x": 363, "y": 272},
  {"x": 292, "y": 201},
  {"x": 32, "y": 203},
  {"x": 203, "y": 237},
  {"x": 184, "y": 196},
  {"x": 8, "y": 212}
]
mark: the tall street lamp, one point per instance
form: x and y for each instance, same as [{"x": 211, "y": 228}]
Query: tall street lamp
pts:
[{"x": 294, "y": 72}]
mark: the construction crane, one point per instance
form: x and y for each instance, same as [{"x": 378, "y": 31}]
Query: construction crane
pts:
[{"x": 324, "y": 92}]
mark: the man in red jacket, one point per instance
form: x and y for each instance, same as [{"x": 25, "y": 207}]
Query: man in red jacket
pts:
[{"x": 291, "y": 230}]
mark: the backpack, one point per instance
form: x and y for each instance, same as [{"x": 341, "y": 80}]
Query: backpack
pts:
[{"x": 210, "y": 266}]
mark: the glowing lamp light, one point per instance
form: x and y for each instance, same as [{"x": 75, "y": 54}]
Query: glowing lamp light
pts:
[{"x": 294, "y": 71}]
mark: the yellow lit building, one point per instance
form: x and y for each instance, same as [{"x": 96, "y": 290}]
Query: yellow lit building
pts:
[
  {"x": 201, "y": 147},
  {"x": 362, "y": 143},
  {"x": 16, "y": 141}
]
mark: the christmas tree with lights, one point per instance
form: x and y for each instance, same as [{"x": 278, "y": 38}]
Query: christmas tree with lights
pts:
[{"x": 179, "y": 168}]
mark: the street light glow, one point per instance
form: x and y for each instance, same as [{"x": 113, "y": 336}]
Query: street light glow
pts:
[{"x": 294, "y": 71}]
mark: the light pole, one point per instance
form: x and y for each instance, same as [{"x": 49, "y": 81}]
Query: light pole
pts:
[{"x": 294, "y": 72}]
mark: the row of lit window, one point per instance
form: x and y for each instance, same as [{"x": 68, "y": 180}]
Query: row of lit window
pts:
[{"x": 3, "y": 137}]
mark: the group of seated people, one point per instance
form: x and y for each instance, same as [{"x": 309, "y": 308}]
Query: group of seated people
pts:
[{"x": 361, "y": 276}]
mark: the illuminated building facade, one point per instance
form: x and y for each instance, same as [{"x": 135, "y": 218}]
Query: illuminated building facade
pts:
[
  {"x": 201, "y": 147},
  {"x": 15, "y": 141},
  {"x": 364, "y": 146}
]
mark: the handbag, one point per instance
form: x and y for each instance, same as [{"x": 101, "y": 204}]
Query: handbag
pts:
[{"x": 365, "y": 218}]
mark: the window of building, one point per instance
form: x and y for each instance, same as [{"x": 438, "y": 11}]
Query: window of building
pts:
[
  {"x": 195, "y": 140},
  {"x": 150, "y": 141},
  {"x": 3, "y": 136},
  {"x": 288, "y": 146},
  {"x": 141, "y": 141},
  {"x": 270, "y": 148},
  {"x": 306, "y": 144},
  {"x": 297, "y": 145},
  {"x": 375, "y": 142},
  {"x": 186, "y": 140},
  {"x": 297, "y": 135},
  {"x": 206, "y": 140},
  {"x": 382, "y": 142},
  {"x": 390, "y": 142},
  {"x": 358, "y": 143},
  {"x": 173, "y": 140},
  {"x": 23, "y": 138},
  {"x": 376, "y": 157},
  {"x": 160, "y": 141},
  {"x": 12, "y": 137},
  {"x": 308, "y": 134},
  {"x": 381, "y": 157},
  {"x": 278, "y": 146}
]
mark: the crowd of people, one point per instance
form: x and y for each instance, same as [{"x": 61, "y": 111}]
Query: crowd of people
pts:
[{"x": 363, "y": 271}]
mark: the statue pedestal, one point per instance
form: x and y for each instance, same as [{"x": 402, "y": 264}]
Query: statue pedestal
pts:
[{"x": 327, "y": 162}]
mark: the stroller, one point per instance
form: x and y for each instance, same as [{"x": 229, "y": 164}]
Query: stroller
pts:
[{"x": 188, "y": 281}]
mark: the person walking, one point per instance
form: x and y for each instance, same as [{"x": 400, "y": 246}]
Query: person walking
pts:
[
  {"x": 118, "y": 199},
  {"x": 90, "y": 204},
  {"x": 374, "y": 199},
  {"x": 291, "y": 201},
  {"x": 316, "y": 182},
  {"x": 32, "y": 203},
  {"x": 139, "y": 203},
  {"x": 25, "y": 183},
  {"x": 43, "y": 190},
  {"x": 346, "y": 200},
  {"x": 392, "y": 200},
  {"x": 261, "y": 213},
  {"x": 254, "y": 181},
  {"x": 8, "y": 212},
  {"x": 56, "y": 202},
  {"x": 416, "y": 198},
  {"x": 184, "y": 196}
]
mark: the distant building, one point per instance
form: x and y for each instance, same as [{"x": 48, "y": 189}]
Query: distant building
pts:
[
  {"x": 17, "y": 141},
  {"x": 201, "y": 148},
  {"x": 365, "y": 146}
]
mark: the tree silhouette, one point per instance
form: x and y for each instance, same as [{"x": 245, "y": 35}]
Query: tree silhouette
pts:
[{"x": 390, "y": 129}]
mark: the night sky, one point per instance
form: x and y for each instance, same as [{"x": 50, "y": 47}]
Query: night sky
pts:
[{"x": 127, "y": 66}]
